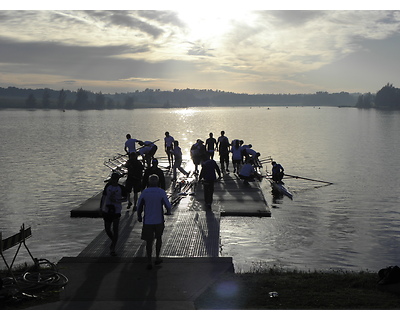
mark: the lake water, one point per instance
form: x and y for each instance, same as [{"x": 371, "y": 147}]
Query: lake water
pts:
[{"x": 51, "y": 161}]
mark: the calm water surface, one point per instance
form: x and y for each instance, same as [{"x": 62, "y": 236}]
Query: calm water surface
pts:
[{"x": 51, "y": 161}]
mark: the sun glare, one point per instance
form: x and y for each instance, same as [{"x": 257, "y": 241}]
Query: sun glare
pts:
[
  {"x": 204, "y": 24},
  {"x": 186, "y": 111}
]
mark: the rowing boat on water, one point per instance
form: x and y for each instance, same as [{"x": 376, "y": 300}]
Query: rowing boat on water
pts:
[{"x": 280, "y": 187}]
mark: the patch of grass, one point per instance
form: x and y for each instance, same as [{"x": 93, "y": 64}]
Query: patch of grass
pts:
[{"x": 298, "y": 290}]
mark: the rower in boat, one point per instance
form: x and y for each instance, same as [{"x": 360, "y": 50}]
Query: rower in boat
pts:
[
  {"x": 277, "y": 172},
  {"x": 276, "y": 180}
]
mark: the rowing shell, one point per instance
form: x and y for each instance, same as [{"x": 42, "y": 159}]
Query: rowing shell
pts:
[{"x": 280, "y": 187}]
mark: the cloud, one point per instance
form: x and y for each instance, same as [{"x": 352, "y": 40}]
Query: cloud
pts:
[{"x": 232, "y": 48}]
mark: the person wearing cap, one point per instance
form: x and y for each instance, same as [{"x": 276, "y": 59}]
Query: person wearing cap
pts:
[
  {"x": 154, "y": 169},
  {"x": 111, "y": 207},
  {"x": 152, "y": 202}
]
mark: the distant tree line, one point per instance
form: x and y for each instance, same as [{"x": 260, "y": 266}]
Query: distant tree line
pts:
[
  {"x": 46, "y": 98},
  {"x": 386, "y": 98}
]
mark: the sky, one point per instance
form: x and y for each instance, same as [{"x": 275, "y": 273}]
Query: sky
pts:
[{"x": 242, "y": 48}]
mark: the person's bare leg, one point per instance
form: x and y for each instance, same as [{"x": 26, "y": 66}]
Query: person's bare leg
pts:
[
  {"x": 158, "y": 250},
  {"x": 149, "y": 251}
]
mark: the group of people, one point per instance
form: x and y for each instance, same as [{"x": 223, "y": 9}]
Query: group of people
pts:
[
  {"x": 146, "y": 178},
  {"x": 148, "y": 149},
  {"x": 201, "y": 152},
  {"x": 152, "y": 201},
  {"x": 241, "y": 154}
]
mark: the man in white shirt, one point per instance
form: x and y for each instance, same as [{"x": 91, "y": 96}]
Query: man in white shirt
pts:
[{"x": 130, "y": 144}]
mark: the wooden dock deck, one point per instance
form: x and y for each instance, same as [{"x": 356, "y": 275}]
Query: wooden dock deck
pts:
[{"x": 192, "y": 230}]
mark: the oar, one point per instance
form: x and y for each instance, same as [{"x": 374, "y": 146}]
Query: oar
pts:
[{"x": 297, "y": 177}]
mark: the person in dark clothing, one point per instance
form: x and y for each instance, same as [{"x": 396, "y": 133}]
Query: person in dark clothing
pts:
[
  {"x": 147, "y": 151},
  {"x": 208, "y": 175},
  {"x": 211, "y": 143},
  {"x": 154, "y": 169},
  {"x": 223, "y": 147},
  {"x": 197, "y": 153},
  {"x": 277, "y": 172},
  {"x": 134, "y": 179},
  {"x": 177, "y": 152},
  {"x": 110, "y": 206},
  {"x": 168, "y": 145}
]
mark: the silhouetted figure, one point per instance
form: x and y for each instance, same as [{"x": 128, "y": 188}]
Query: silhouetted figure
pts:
[
  {"x": 130, "y": 144},
  {"x": 208, "y": 175},
  {"x": 147, "y": 151},
  {"x": 248, "y": 172},
  {"x": 197, "y": 153},
  {"x": 178, "y": 160},
  {"x": 211, "y": 144},
  {"x": 154, "y": 169},
  {"x": 168, "y": 144},
  {"x": 111, "y": 207},
  {"x": 152, "y": 201},
  {"x": 224, "y": 148},
  {"x": 134, "y": 179},
  {"x": 251, "y": 154},
  {"x": 277, "y": 172},
  {"x": 237, "y": 157}
]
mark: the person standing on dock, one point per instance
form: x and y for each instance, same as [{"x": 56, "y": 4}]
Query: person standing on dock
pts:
[
  {"x": 154, "y": 169},
  {"x": 208, "y": 170},
  {"x": 211, "y": 144},
  {"x": 152, "y": 201},
  {"x": 111, "y": 207},
  {"x": 237, "y": 158},
  {"x": 197, "y": 153},
  {"x": 130, "y": 144},
  {"x": 177, "y": 151},
  {"x": 277, "y": 172},
  {"x": 168, "y": 144},
  {"x": 134, "y": 179},
  {"x": 224, "y": 148}
]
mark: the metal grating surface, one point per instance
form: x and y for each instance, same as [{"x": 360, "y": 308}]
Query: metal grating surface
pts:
[
  {"x": 194, "y": 234},
  {"x": 191, "y": 231},
  {"x": 187, "y": 234}
]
